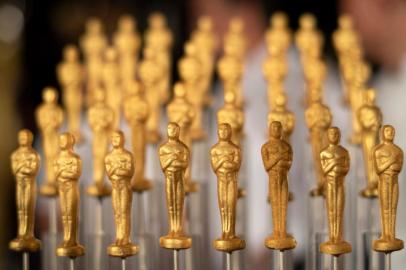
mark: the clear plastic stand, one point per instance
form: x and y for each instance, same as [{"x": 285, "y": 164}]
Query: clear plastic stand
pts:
[
  {"x": 96, "y": 251},
  {"x": 278, "y": 260}
]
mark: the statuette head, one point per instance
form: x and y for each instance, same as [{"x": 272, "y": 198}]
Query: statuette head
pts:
[
  {"x": 49, "y": 95},
  {"x": 173, "y": 131},
  {"x": 126, "y": 23},
  {"x": 25, "y": 137},
  {"x": 224, "y": 132},
  {"x": 388, "y": 133},
  {"x": 307, "y": 21},
  {"x": 275, "y": 130},
  {"x": 66, "y": 141},
  {"x": 94, "y": 26},
  {"x": 117, "y": 139},
  {"x": 70, "y": 53},
  {"x": 179, "y": 90},
  {"x": 279, "y": 20},
  {"x": 334, "y": 135}
]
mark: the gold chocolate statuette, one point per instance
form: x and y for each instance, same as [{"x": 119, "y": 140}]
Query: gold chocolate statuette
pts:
[
  {"x": 49, "y": 118},
  {"x": 277, "y": 157},
  {"x": 226, "y": 162},
  {"x": 71, "y": 76},
  {"x": 120, "y": 169},
  {"x": 318, "y": 120},
  {"x": 174, "y": 159},
  {"x": 136, "y": 111},
  {"x": 370, "y": 119},
  {"x": 280, "y": 113},
  {"x": 68, "y": 168},
  {"x": 25, "y": 163},
  {"x": 335, "y": 162},
  {"x": 100, "y": 117},
  {"x": 388, "y": 164}
]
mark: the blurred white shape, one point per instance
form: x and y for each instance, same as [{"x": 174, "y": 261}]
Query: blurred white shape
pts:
[{"x": 11, "y": 23}]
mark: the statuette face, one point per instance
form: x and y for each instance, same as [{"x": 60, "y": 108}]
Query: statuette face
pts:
[
  {"x": 277, "y": 158},
  {"x": 174, "y": 159},
  {"x": 335, "y": 162},
  {"x": 101, "y": 118},
  {"x": 68, "y": 169},
  {"x": 25, "y": 163},
  {"x": 226, "y": 162},
  {"x": 49, "y": 117},
  {"x": 388, "y": 159},
  {"x": 120, "y": 169}
]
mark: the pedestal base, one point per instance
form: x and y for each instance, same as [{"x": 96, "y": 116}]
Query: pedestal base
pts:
[
  {"x": 280, "y": 243},
  {"x": 335, "y": 248},
  {"x": 98, "y": 190},
  {"x": 122, "y": 250},
  {"x": 48, "y": 189},
  {"x": 175, "y": 242},
  {"x": 192, "y": 187},
  {"x": 153, "y": 136},
  {"x": 141, "y": 185},
  {"x": 369, "y": 193},
  {"x": 387, "y": 246},
  {"x": 27, "y": 244},
  {"x": 70, "y": 251},
  {"x": 229, "y": 245}
]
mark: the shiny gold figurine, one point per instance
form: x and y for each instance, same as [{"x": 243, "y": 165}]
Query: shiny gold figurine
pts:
[
  {"x": 150, "y": 75},
  {"x": 226, "y": 162},
  {"x": 278, "y": 36},
  {"x": 345, "y": 38},
  {"x": 174, "y": 159},
  {"x": 182, "y": 112},
  {"x": 370, "y": 119},
  {"x": 281, "y": 114},
  {"x": 101, "y": 118},
  {"x": 127, "y": 42},
  {"x": 25, "y": 163},
  {"x": 318, "y": 119},
  {"x": 111, "y": 81},
  {"x": 388, "y": 164},
  {"x": 159, "y": 39},
  {"x": 205, "y": 42},
  {"x": 277, "y": 157},
  {"x": 120, "y": 169},
  {"x": 308, "y": 38},
  {"x": 68, "y": 168},
  {"x": 93, "y": 44},
  {"x": 191, "y": 71},
  {"x": 335, "y": 162},
  {"x": 136, "y": 111},
  {"x": 49, "y": 117},
  {"x": 233, "y": 116},
  {"x": 70, "y": 74}
]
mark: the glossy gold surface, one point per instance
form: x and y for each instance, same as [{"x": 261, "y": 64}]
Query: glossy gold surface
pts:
[
  {"x": 182, "y": 112},
  {"x": 49, "y": 117},
  {"x": 120, "y": 169},
  {"x": 174, "y": 159},
  {"x": 25, "y": 163},
  {"x": 101, "y": 119},
  {"x": 370, "y": 119},
  {"x": 388, "y": 159},
  {"x": 277, "y": 158},
  {"x": 226, "y": 162},
  {"x": 136, "y": 112},
  {"x": 70, "y": 74},
  {"x": 68, "y": 169},
  {"x": 335, "y": 162}
]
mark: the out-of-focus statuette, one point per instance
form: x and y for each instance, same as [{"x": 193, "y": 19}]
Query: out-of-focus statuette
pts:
[
  {"x": 388, "y": 164},
  {"x": 25, "y": 163},
  {"x": 120, "y": 169},
  {"x": 278, "y": 36},
  {"x": 370, "y": 119},
  {"x": 226, "y": 162},
  {"x": 136, "y": 111},
  {"x": 49, "y": 117},
  {"x": 100, "y": 117},
  {"x": 174, "y": 159},
  {"x": 68, "y": 169},
  {"x": 233, "y": 116},
  {"x": 70, "y": 74},
  {"x": 277, "y": 158},
  {"x": 335, "y": 162},
  {"x": 234, "y": 39},
  {"x": 308, "y": 38},
  {"x": 280, "y": 113}
]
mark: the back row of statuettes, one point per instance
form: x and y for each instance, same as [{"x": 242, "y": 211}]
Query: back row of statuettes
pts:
[{"x": 117, "y": 83}]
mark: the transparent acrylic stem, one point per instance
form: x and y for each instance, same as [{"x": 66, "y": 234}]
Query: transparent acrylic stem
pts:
[
  {"x": 123, "y": 264},
  {"x": 71, "y": 264},
  {"x": 26, "y": 265},
  {"x": 281, "y": 260},
  {"x": 335, "y": 262},
  {"x": 52, "y": 215},
  {"x": 228, "y": 260},
  {"x": 175, "y": 260},
  {"x": 388, "y": 261}
]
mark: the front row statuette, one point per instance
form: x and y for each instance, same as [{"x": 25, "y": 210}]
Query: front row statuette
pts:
[
  {"x": 277, "y": 157},
  {"x": 120, "y": 170},
  {"x": 174, "y": 159},
  {"x": 388, "y": 164},
  {"x": 335, "y": 162},
  {"x": 25, "y": 163},
  {"x": 226, "y": 162},
  {"x": 68, "y": 168}
]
